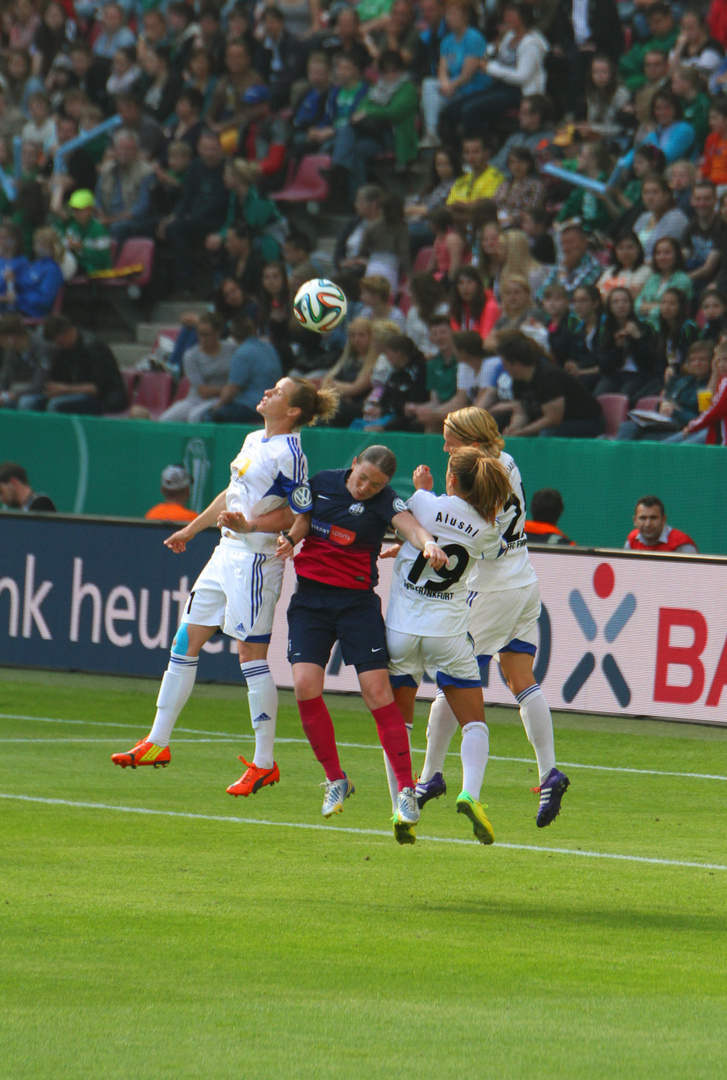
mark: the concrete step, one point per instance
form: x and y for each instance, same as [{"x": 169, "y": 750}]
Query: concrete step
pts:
[
  {"x": 128, "y": 356},
  {"x": 146, "y": 333},
  {"x": 169, "y": 312}
]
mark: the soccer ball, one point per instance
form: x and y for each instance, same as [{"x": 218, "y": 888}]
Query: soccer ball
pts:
[{"x": 320, "y": 305}]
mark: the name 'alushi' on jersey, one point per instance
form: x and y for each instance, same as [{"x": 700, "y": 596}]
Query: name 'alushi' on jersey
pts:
[
  {"x": 514, "y": 570},
  {"x": 435, "y": 601}
]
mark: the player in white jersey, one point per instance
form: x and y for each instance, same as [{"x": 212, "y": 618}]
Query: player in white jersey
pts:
[
  {"x": 239, "y": 587},
  {"x": 505, "y": 607},
  {"x": 463, "y": 522}
]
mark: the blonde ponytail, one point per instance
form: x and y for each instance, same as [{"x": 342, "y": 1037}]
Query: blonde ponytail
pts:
[{"x": 481, "y": 481}]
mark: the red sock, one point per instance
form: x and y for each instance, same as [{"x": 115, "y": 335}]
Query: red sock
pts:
[
  {"x": 318, "y": 726},
  {"x": 395, "y": 741}
]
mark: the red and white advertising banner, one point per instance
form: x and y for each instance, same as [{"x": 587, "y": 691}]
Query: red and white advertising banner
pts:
[{"x": 625, "y": 634}]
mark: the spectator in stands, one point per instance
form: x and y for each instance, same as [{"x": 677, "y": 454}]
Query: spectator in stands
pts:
[
  {"x": 627, "y": 354},
  {"x": 669, "y": 273},
  {"x": 472, "y": 191},
  {"x": 122, "y": 192},
  {"x": 210, "y": 36},
  {"x": 175, "y": 489},
  {"x": 182, "y": 32},
  {"x": 432, "y": 31},
  {"x": 37, "y": 288},
  {"x": 660, "y": 218},
  {"x": 656, "y": 77},
  {"x": 147, "y": 130},
  {"x": 663, "y": 34},
  {"x": 576, "y": 265},
  {"x": 207, "y": 366},
  {"x": 536, "y": 225},
  {"x": 386, "y": 118},
  {"x": 694, "y": 47},
  {"x": 472, "y": 307},
  {"x": 90, "y": 73},
  {"x": 334, "y": 135},
  {"x": 226, "y": 113},
  {"x": 441, "y": 378},
  {"x": 627, "y": 268},
  {"x": 41, "y": 127},
  {"x": 19, "y": 81},
  {"x": 517, "y": 69},
  {"x": 311, "y": 106},
  {"x": 11, "y": 119},
  {"x": 687, "y": 84},
  {"x": 279, "y": 57},
  {"x": 712, "y": 313},
  {"x": 201, "y": 76},
  {"x": 376, "y": 302},
  {"x": 517, "y": 313},
  {"x": 25, "y": 361},
  {"x": 706, "y": 237},
  {"x": 449, "y": 247},
  {"x": 397, "y": 34},
  {"x": 458, "y": 74},
  {"x": 115, "y": 34},
  {"x": 711, "y": 425},
  {"x": 13, "y": 264},
  {"x": 651, "y": 533},
  {"x": 577, "y": 33},
  {"x": 187, "y": 125},
  {"x": 299, "y": 267},
  {"x": 523, "y": 191},
  {"x": 262, "y": 138},
  {"x": 16, "y": 492},
  {"x": 275, "y": 320},
  {"x": 606, "y": 98},
  {"x": 534, "y": 131},
  {"x": 444, "y": 169},
  {"x": 199, "y": 212},
  {"x": 84, "y": 236},
  {"x": 546, "y": 507},
  {"x": 516, "y": 258},
  {"x": 159, "y": 86},
  {"x": 428, "y": 298},
  {"x": 125, "y": 73},
  {"x": 79, "y": 167},
  {"x": 351, "y": 375},
  {"x": 406, "y": 383},
  {"x": 83, "y": 376},
  {"x": 562, "y": 323},
  {"x": 243, "y": 263},
  {"x": 679, "y": 403},
  {"x": 582, "y": 361},
  {"x": 255, "y": 366},
  {"x": 347, "y": 38},
  {"x": 547, "y": 401},
  {"x": 594, "y": 161},
  {"x": 367, "y": 207},
  {"x": 714, "y": 163},
  {"x": 384, "y": 248},
  {"x": 675, "y": 332}
]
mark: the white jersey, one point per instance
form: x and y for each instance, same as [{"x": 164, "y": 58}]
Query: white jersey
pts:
[
  {"x": 433, "y": 603},
  {"x": 514, "y": 570},
  {"x": 265, "y": 475}
]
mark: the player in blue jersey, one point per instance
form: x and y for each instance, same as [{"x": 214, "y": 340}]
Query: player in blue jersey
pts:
[
  {"x": 240, "y": 585},
  {"x": 427, "y": 613},
  {"x": 505, "y": 606},
  {"x": 335, "y": 601}
]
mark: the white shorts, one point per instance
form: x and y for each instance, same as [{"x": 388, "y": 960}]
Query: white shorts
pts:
[
  {"x": 451, "y": 660},
  {"x": 506, "y": 618},
  {"x": 237, "y": 590}
]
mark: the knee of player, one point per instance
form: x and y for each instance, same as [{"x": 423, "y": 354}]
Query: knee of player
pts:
[{"x": 182, "y": 645}]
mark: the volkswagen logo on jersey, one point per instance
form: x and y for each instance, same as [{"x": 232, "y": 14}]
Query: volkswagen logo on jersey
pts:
[
  {"x": 399, "y": 506},
  {"x": 302, "y": 499},
  {"x": 356, "y": 508}
]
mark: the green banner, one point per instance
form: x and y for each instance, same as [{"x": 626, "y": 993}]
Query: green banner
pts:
[{"x": 112, "y": 467}]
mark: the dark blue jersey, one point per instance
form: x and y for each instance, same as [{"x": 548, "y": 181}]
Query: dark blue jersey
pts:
[{"x": 346, "y": 534}]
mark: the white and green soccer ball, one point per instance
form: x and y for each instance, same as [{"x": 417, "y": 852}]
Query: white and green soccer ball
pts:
[{"x": 320, "y": 305}]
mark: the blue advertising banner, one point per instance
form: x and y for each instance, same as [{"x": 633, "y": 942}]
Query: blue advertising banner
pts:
[{"x": 95, "y": 595}]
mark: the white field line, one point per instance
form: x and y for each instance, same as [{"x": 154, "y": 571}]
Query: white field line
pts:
[
  {"x": 229, "y": 818},
  {"x": 225, "y": 736}
]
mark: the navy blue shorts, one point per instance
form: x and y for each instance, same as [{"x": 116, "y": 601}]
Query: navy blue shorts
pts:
[{"x": 320, "y": 615}]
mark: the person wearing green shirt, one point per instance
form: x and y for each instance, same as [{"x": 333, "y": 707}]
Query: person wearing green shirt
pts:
[
  {"x": 441, "y": 378},
  {"x": 85, "y": 236},
  {"x": 686, "y": 82},
  {"x": 663, "y": 35},
  {"x": 393, "y": 103}
]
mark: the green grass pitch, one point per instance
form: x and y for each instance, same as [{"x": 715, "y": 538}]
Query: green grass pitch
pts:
[{"x": 213, "y": 938}]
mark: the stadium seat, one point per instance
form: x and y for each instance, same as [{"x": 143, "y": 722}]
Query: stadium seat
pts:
[
  {"x": 421, "y": 260},
  {"x": 154, "y": 392},
  {"x": 307, "y": 185},
  {"x": 182, "y": 390},
  {"x": 404, "y": 303},
  {"x": 137, "y": 251},
  {"x": 615, "y": 408},
  {"x": 649, "y": 403}
]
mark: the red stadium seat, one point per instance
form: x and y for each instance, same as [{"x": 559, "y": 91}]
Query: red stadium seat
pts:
[
  {"x": 137, "y": 251},
  {"x": 615, "y": 408},
  {"x": 649, "y": 403},
  {"x": 154, "y": 392},
  {"x": 182, "y": 390},
  {"x": 421, "y": 260},
  {"x": 307, "y": 185}
]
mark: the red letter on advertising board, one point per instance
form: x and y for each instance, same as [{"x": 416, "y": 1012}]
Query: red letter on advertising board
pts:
[
  {"x": 719, "y": 681},
  {"x": 685, "y": 656}
]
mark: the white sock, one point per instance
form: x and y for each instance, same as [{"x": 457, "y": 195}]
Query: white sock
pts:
[
  {"x": 440, "y": 729},
  {"x": 538, "y": 725},
  {"x": 262, "y": 700},
  {"x": 174, "y": 694},
  {"x": 475, "y": 751},
  {"x": 391, "y": 775}
]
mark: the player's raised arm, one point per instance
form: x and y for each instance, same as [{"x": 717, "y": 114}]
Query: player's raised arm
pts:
[
  {"x": 178, "y": 541},
  {"x": 422, "y": 478},
  {"x": 406, "y": 524},
  {"x": 275, "y": 521}
]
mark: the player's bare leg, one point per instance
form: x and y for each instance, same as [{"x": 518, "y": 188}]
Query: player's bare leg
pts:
[
  {"x": 517, "y": 668},
  {"x": 466, "y": 704},
  {"x": 262, "y": 699},
  {"x": 174, "y": 693}
]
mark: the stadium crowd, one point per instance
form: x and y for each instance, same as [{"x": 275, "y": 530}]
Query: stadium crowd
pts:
[{"x": 534, "y": 198}]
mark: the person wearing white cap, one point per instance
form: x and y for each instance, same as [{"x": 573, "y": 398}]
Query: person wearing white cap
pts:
[{"x": 176, "y": 483}]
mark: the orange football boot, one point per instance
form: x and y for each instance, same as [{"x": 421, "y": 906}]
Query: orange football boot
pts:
[
  {"x": 144, "y": 753},
  {"x": 253, "y": 779}
]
